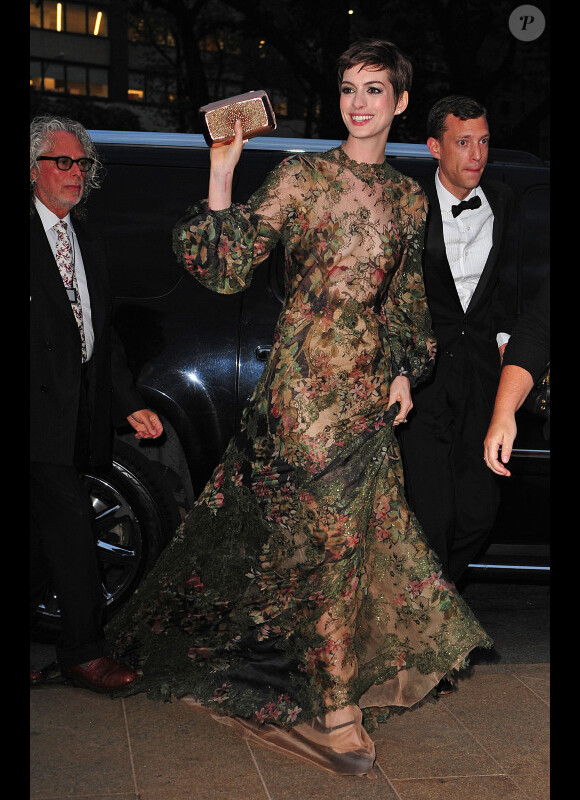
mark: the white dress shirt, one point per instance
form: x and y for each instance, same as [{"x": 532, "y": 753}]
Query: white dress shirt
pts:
[
  {"x": 468, "y": 240},
  {"x": 49, "y": 220}
]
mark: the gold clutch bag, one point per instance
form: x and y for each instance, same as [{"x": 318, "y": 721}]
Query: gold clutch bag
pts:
[{"x": 253, "y": 108}]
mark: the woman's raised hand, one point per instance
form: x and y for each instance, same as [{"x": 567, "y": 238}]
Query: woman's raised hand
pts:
[{"x": 224, "y": 158}]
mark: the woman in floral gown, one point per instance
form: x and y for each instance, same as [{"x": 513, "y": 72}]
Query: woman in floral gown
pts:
[{"x": 300, "y": 589}]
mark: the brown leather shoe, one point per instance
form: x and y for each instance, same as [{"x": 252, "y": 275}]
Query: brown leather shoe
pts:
[
  {"x": 47, "y": 673},
  {"x": 101, "y": 675}
]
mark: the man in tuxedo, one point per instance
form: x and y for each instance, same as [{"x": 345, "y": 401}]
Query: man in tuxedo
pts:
[
  {"x": 79, "y": 385},
  {"x": 453, "y": 494}
]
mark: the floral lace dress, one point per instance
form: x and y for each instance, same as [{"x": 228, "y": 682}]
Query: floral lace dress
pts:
[{"x": 300, "y": 581}]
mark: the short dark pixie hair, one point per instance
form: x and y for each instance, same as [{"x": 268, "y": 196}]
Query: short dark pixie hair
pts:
[
  {"x": 456, "y": 104},
  {"x": 379, "y": 54}
]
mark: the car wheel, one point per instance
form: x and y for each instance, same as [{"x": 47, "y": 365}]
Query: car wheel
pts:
[{"x": 135, "y": 517}]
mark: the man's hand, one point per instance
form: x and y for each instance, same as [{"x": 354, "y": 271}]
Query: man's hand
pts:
[
  {"x": 514, "y": 386},
  {"x": 501, "y": 434},
  {"x": 146, "y": 423}
]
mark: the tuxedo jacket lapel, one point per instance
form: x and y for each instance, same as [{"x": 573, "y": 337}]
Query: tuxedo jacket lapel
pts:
[
  {"x": 436, "y": 262},
  {"x": 498, "y": 222},
  {"x": 436, "y": 253}
]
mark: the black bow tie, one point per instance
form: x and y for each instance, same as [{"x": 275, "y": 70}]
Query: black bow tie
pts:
[{"x": 475, "y": 202}]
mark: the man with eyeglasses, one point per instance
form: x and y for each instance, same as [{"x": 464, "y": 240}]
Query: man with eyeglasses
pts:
[{"x": 79, "y": 386}]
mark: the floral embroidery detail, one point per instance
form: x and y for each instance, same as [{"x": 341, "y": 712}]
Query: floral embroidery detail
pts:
[
  {"x": 281, "y": 711},
  {"x": 212, "y": 496},
  {"x": 300, "y": 566},
  {"x": 221, "y": 694}
]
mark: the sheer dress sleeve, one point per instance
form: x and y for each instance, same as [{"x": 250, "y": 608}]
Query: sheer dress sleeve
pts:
[
  {"x": 411, "y": 339},
  {"x": 222, "y": 248}
]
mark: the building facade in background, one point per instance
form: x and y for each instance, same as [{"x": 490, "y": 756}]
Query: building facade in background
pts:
[
  {"x": 130, "y": 65},
  {"x": 105, "y": 57}
]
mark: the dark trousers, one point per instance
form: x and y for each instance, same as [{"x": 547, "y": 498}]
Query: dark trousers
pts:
[
  {"x": 63, "y": 553},
  {"x": 452, "y": 492}
]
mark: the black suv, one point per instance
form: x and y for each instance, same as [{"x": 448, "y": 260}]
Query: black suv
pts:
[{"x": 197, "y": 355}]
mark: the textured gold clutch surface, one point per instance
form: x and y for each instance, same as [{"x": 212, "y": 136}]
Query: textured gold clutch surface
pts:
[{"x": 252, "y": 108}]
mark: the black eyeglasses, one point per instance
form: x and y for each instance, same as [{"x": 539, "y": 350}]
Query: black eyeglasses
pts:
[{"x": 66, "y": 162}]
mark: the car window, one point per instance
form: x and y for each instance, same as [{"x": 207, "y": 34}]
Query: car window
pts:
[
  {"x": 144, "y": 193},
  {"x": 136, "y": 208}
]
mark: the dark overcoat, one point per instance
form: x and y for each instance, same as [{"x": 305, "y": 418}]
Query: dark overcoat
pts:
[{"x": 55, "y": 356}]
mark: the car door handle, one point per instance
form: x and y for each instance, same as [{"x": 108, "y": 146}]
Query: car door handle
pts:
[{"x": 263, "y": 351}]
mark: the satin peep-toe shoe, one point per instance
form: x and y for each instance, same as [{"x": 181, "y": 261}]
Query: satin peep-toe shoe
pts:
[{"x": 329, "y": 748}]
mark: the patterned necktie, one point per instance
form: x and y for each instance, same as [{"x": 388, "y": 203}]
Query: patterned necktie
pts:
[{"x": 65, "y": 261}]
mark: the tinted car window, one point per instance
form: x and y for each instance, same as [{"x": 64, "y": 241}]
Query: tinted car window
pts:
[{"x": 145, "y": 191}]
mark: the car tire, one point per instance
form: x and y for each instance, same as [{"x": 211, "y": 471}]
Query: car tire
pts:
[{"x": 135, "y": 517}]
